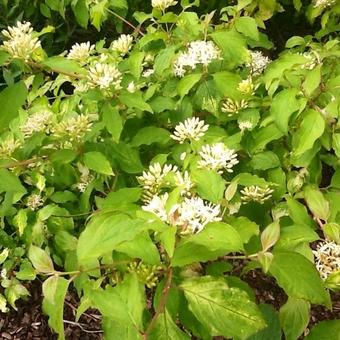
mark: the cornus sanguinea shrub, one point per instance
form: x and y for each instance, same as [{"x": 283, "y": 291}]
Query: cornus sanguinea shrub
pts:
[{"x": 150, "y": 174}]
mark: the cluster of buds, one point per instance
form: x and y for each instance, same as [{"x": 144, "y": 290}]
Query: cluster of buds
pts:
[
  {"x": 163, "y": 4},
  {"x": 246, "y": 86},
  {"x": 37, "y": 122},
  {"x": 21, "y": 42},
  {"x": 123, "y": 44},
  {"x": 312, "y": 60},
  {"x": 85, "y": 178},
  {"x": 192, "y": 129},
  {"x": 324, "y": 3},
  {"x": 8, "y": 147},
  {"x": 146, "y": 273},
  {"x": 105, "y": 76},
  {"x": 34, "y": 201},
  {"x": 327, "y": 258},
  {"x": 256, "y": 194},
  {"x": 231, "y": 106},
  {"x": 81, "y": 52}
]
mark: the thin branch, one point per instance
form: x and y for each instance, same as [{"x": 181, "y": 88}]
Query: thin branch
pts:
[
  {"x": 162, "y": 303},
  {"x": 239, "y": 257},
  {"x": 81, "y": 326},
  {"x": 137, "y": 29},
  {"x": 26, "y": 162}
]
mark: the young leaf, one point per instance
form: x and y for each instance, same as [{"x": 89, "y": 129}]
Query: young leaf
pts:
[
  {"x": 215, "y": 240},
  {"x": 316, "y": 202},
  {"x": 40, "y": 260},
  {"x": 104, "y": 233},
  {"x": 222, "y": 310},
  {"x": 270, "y": 235},
  {"x": 299, "y": 277},
  {"x": 113, "y": 121},
  {"x": 294, "y": 317},
  {"x": 150, "y": 135},
  {"x": 248, "y": 27},
  {"x": 312, "y": 80},
  {"x": 187, "y": 83},
  {"x": 54, "y": 291},
  {"x": 96, "y": 161}
]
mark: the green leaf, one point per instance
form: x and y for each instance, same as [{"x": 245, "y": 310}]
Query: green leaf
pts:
[
  {"x": 336, "y": 143},
  {"x": 135, "y": 101},
  {"x": 332, "y": 231},
  {"x": 164, "y": 60},
  {"x": 270, "y": 235},
  {"x": 222, "y": 310},
  {"x": 295, "y": 41},
  {"x": 63, "y": 65},
  {"x": 227, "y": 83},
  {"x": 20, "y": 220},
  {"x": 187, "y": 83},
  {"x": 141, "y": 247},
  {"x": 209, "y": 184},
  {"x": 298, "y": 212},
  {"x": 81, "y": 13},
  {"x": 9, "y": 182},
  {"x": 294, "y": 317},
  {"x": 265, "y": 160},
  {"x": 248, "y": 27},
  {"x": 123, "y": 304},
  {"x": 215, "y": 240},
  {"x": 135, "y": 63},
  {"x": 264, "y": 136},
  {"x": 150, "y": 135},
  {"x": 316, "y": 202},
  {"x": 325, "y": 330},
  {"x": 246, "y": 179},
  {"x": 128, "y": 158},
  {"x": 113, "y": 121},
  {"x": 40, "y": 259},
  {"x": 166, "y": 329},
  {"x": 54, "y": 291},
  {"x": 312, "y": 81},
  {"x": 299, "y": 277},
  {"x": 96, "y": 161},
  {"x": 104, "y": 233},
  {"x": 11, "y": 99},
  {"x": 246, "y": 228},
  {"x": 233, "y": 46},
  {"x": 273, "y": 330},
  {"x": 283, "y": 106},
  {"x": 312, "y": 128}
]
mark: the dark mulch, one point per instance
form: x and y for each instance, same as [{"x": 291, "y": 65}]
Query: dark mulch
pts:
[{"x": 29, "y": 322}]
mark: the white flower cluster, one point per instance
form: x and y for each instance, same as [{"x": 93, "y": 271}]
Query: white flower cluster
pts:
[
  {"x": 123, "y": 44},
  {"x": 72, "y": 129},
  {"x": 245, "y": 125},
  {"x": 81, "y": 52},
  {"x": 104, "y": 76},
  {"x": 192, "y": 215},
  {"x": 163, "y": 4},
  {"x": 324, "y": 3},
  {"x": 21, "y": 42},
  {"x": 191, "y": 129},
  {"x": 85, "y": 178},
  {"x": 256, "y": 194},
  {"x": 34, "y": 201},
  {"x": 258, "y": 62},
  {"x": 8, "y": 146},
  {"x": 184, "y": 183},
  {"x": 37, "y": 122},
  {"x": 199, "y": 53},
  {"x": 153, "y": 179},
  {"x": 217, "y": 157},
  {"x": 312, "y": 60},
  {"x": 231, "y": 106},
  {"x": 327, "y": 258}
]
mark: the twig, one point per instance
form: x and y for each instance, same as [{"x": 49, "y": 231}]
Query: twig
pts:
[
  {"x": 21, "y": 163},
  {"x": 239, "y": 257},
  {"x": 81, "y": 326},
  {"x": 126, "y": 21},
  {"x": 162, "y": 303}
]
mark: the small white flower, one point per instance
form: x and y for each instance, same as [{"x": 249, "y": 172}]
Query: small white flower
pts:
[
  {"x": 245, "y": 125},
  {"x": 199, "y": 52},
  {"x": 148, "y": 72},
  {"x": 104, "y": 76},
  {"x": 184, "y": 183},
  {"x": 153, "y": 179},
  {"x": 8, "y": 146},
  {"x": 258, "y": 62},
  {"x": 231, "y": 106},
  {"x": 34, "y": 201},
  {"x": 132, "y": 87},
  {"x": 21, "y": 42},
  {"x": 192, "y": 129},
  {"x": 80, "y": 52},
  {"x": 37, "y": 122},
  {"x": 157, "y": 206},
  {"x": 123, "y": 44},
  {"x": 323, "y": 3},
  {"x": 256, "y": 194},
  {"x": 163, "y": 4},
  {"x": 327, "y": 258},
  {"x": 194, "y": 214},
  {"x": 217, "y": 157}
]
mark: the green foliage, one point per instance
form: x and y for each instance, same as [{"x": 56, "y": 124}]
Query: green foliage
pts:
[{"x": 147, "y": 171}]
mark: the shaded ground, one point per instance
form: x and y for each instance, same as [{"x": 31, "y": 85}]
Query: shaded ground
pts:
[{"x": 29, "y": 322}]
